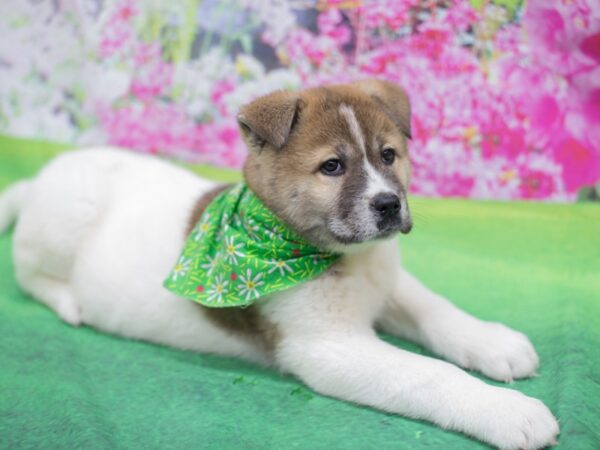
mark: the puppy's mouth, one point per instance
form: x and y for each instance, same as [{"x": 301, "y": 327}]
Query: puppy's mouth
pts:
[
  {"x": 385, "y": 230},
  {"x": 390, "y": 227},
  {"x": 395, "y": 225}
]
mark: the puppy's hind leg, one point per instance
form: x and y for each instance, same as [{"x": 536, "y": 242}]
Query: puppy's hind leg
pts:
[
  {"x": 64, "y": 204},
  {"x": 56, "y": 295}
]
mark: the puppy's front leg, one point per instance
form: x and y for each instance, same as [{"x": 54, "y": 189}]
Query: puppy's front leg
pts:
[
  {"x": 418, "y": 314},
  {"x": 365, "y": 370}
]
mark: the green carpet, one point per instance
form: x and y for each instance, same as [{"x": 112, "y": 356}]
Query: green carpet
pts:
[{"x": 535, "y": 267}]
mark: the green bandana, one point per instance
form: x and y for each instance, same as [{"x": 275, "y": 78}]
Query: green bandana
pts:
[{"x": 240, "y": 251}]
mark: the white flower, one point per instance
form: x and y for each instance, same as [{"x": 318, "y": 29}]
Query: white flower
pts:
[
  {"x": 279, "y": 265},
  {"x": 181, "y": 268},
  {"x": 249, "y": 67},
  {"x": 202, "y": 228},
  {"x": 249, "y": 284},
  {"x": 231, "y": 250},
  {"x": 218, "y": 289},
  {"x": 210, "y": 265}
]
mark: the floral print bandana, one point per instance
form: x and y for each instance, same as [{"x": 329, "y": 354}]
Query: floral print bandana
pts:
[{"x": 240, "y": 251}]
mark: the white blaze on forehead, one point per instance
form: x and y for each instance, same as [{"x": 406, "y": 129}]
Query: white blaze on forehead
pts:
[
  {"x": 348, "y": 113},
  {"x": 376, "y": 183}
]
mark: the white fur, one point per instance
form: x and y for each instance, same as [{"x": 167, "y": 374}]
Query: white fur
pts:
[
  {"x": 348, "y": 113},
  {"x": 10, "y": 203},
  {"x": 376, "y": 183},
  {"x": 99, "y": 233},
  {"x": 99, "y": 230}
]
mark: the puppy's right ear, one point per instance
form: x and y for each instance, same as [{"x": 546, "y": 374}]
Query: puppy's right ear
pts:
[
  {"x": 393, "y": 100},
  {"x": 268, "y": 119}
]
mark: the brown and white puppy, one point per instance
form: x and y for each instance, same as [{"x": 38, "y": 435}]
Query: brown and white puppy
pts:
[
  {"x": 337, "y": 160},
  {"x": 98, "y": 231}
]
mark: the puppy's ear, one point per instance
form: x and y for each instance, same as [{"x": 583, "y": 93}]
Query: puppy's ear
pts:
[
  {"x": 392, "y": 99},
  {"x": 269, "y": 119}
]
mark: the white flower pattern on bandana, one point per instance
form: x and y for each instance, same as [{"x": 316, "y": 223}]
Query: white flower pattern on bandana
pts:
[
  {"x": 181, "y": 268},
  {"x": 210, "y": 264},
  {"x": 202, "y": 228},
  {"x": 239, "y": 251},
  {"x": 279, "y": 265},
  {"x": 250, "y": 285},
  {"x": 218, "y": 290},
  {"x": 232, "y": 250}
]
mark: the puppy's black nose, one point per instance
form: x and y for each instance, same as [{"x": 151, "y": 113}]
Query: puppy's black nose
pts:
[{"x": 386, "y": 205}]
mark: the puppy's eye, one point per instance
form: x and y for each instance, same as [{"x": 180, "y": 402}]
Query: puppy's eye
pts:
[
  {"x": 332, "y": 167},
  {"x": 388, "y": 155}
]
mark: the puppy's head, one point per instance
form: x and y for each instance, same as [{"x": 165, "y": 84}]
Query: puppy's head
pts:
[{"x": 332, "y": 161}]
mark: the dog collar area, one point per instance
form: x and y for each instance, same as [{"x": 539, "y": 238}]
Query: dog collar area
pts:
[{"x": 240, "y": 251}]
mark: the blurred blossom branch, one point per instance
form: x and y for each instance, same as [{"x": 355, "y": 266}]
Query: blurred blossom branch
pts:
[{"x": 506, "y": 97}]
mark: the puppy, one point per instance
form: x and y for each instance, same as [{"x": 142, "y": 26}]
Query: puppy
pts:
[{"x": 98, "y": 231}]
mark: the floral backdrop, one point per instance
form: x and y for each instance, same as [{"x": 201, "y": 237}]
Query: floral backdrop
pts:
[{"x": 505, "y": 94}]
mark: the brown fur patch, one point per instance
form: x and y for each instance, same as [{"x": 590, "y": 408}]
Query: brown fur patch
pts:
[{"x": 247, "y": 322}]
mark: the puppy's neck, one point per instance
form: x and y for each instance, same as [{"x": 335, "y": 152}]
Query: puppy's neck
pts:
[{"x": 358, "y": 249}]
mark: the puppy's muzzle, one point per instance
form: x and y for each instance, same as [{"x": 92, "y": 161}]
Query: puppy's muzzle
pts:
[{"x": 387, "y": 208}]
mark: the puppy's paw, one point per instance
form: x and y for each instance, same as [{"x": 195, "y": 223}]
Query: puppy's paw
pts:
[
  {"x": 513, "y": 421},
  {"x": 68, "y": 311},
  {"x": 490, "y": 348}
]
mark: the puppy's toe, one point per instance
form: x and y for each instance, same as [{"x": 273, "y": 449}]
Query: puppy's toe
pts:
[
  {"x": 513, "y": 421},
  {"x": 490, "y": 348},
  {"x": 504, "y": 354},
  {"x": 69, "y": 312}
]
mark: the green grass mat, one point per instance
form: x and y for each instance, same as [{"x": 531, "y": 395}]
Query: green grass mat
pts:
[{"x": 535, "y": 267}]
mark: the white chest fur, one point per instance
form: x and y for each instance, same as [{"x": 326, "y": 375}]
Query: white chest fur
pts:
[{"x": 349, "y": 297}]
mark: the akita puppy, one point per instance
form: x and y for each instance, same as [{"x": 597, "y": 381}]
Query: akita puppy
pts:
[{"x": 312, "y": 272}]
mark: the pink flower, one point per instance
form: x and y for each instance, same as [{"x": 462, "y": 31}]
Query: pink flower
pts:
[
  {"x": 389, "y": 14},
  {"x": 564, "y": 34},
  {"x": 220, "y": 90},
  {"x": 535, "y": 184},
  {"x": 126, "y": 11},
  {"x": 153, "y": 76},
  {"x": 118, "y": 32},
  {"x": 462, "y": 15},
  {"x": 220, "y": 143},
  {"x": 330, "y": 26},
  {"x": 503, "y": 141},
  {"x": 545, "y": 114},
  {"x": 581, "y": 165},
  {"x": 115, "y": 38},
  {"x": 153, "y": 127},
  {"x": 547, "y": 27},
  {"x": 590, "y": 46}
]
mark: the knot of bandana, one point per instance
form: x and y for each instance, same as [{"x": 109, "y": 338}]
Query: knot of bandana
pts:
[{"x": 240, "y": 251}]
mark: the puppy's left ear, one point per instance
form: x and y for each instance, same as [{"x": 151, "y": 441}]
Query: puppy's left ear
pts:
[
  {"x": 393, "y": 100},
  {"x": 269, "y": 119}
]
